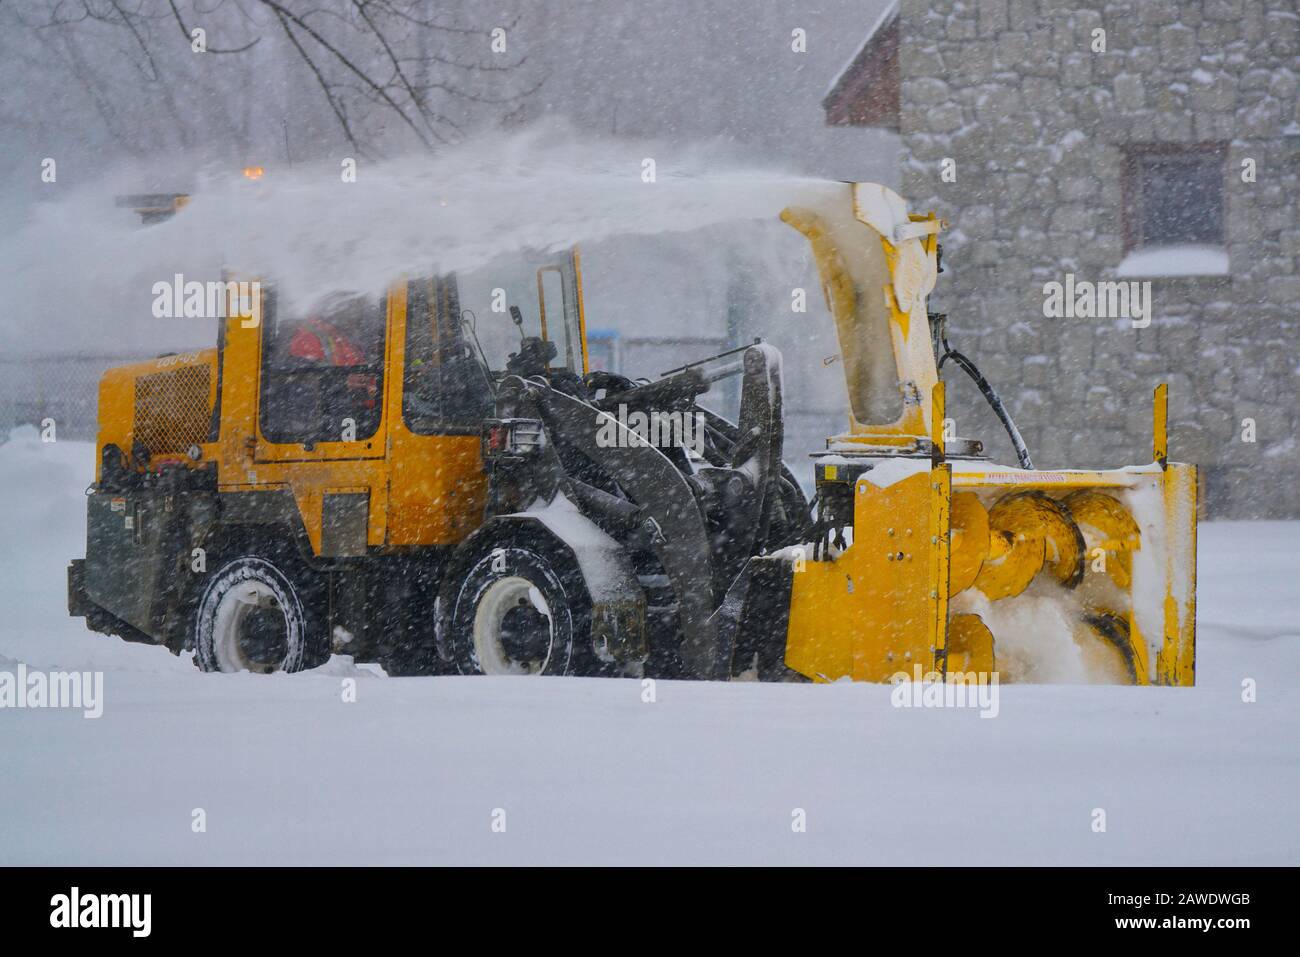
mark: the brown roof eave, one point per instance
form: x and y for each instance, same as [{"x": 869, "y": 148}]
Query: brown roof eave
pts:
[{"x": 866, "y": 93}]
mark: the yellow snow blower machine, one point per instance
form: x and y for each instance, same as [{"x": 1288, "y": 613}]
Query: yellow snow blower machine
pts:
[
  {"x": 928, "y": 559},
  {"x": 391, "y": 478}
]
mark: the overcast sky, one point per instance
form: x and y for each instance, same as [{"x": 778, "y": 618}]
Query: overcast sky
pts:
[{"x": 676, "y": 71}]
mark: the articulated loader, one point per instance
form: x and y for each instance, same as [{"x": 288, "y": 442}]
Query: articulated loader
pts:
[{"x": 395, "y": 479}]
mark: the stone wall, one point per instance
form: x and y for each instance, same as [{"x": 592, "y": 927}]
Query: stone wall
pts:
[{"x": 1037, "y": 124}]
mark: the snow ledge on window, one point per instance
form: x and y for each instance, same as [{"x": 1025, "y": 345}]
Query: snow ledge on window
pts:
[{"x": 1184, "y": 260}]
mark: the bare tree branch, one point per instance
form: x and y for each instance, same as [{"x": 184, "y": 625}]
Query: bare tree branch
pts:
[
  {"x": 416, "y": 98},
  {"x": 189, "y": 37},
  {"x": 325, "y": 88},
  {"x": 369, "y": 58},
  {"x": 351, "y": 67}
]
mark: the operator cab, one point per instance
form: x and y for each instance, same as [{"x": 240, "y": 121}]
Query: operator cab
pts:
[
  {"x": 323, "y": 366},
  {"x": 519, "y": 315}
]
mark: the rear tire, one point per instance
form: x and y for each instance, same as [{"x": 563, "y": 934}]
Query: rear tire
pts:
[
  {"x": 261, "y": 614},
  {"x": 519, "y": 608}
]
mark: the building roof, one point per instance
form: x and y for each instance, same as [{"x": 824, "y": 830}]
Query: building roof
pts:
[{"x": 866, "y": 91}]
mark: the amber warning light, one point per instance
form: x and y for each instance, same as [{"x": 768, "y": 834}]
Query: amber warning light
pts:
[{"x": 253, "y": 172}]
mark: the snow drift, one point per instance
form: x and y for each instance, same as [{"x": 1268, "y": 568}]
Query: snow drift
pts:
[{"x": 588, "y": 771}]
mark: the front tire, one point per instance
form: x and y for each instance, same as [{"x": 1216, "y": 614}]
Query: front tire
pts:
[
  {"x": 259, "y": 614},
  {"x": 520, "y": 608}
]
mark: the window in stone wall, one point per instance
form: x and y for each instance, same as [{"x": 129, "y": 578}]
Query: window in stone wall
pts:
[{"x": 1174, "y": 211}]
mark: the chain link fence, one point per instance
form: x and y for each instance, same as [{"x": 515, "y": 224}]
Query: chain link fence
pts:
[{"x": 64, "y": 388}]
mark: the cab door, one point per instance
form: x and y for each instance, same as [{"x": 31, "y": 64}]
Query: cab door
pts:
[
  {"x": 439, "y": 393},
  {"x": 319, "y": 416}
]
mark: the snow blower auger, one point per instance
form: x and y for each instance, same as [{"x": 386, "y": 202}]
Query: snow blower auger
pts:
[{"x": 926, "y": 558}]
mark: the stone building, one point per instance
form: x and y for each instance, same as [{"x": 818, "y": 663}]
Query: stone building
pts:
[{"x": 1136, "y": 140}]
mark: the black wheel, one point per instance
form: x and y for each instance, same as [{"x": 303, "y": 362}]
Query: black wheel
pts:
[
  {"x": 260, "y": 614},
  {"x": 519, "y": 608}
]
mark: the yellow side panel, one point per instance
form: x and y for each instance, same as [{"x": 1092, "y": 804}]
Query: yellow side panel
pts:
[
  {"x": 941, "y": 549},
  {"x": 818, "y": 645},
  {"x": 438, "y": 488},
  {"x": 117, "y": 397},
  {"x": 309, "y": 482},
  {"x": 1176, "y": 663},
  {"x": 116, "y": 414},
  {"x": 1160, "y": 425},
  {"x": 873, "y": 611}
]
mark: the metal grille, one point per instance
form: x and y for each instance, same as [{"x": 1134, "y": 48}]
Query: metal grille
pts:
[{"x": 171, "y": 409}]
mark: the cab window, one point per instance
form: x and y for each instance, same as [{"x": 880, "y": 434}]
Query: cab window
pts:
[
  {"x": 446, "y": 389},
  {"x": 542, "y": 288},
  {"x": 322, "y": 370}
]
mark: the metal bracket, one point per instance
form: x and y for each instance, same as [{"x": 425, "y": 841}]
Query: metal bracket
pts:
[{"x": 925, "y": 227}]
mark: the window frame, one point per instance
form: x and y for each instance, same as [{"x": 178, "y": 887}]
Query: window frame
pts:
[
  {"x": 441, "y": 307},
  {"x": 266, "y": 372},
  {"x": 1132, "y": 209}
]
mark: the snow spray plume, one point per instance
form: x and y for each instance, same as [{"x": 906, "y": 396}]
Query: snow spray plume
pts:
[{"x": 314, "y": 233}]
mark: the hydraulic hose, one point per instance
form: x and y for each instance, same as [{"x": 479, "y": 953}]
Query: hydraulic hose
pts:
[{"x": 990, "y": 394}]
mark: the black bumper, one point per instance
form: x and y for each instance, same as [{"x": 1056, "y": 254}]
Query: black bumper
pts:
[{"x": 78, "y": 604}]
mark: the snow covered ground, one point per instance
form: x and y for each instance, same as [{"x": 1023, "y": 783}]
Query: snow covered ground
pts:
[{"x": 414, "y": 770}]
